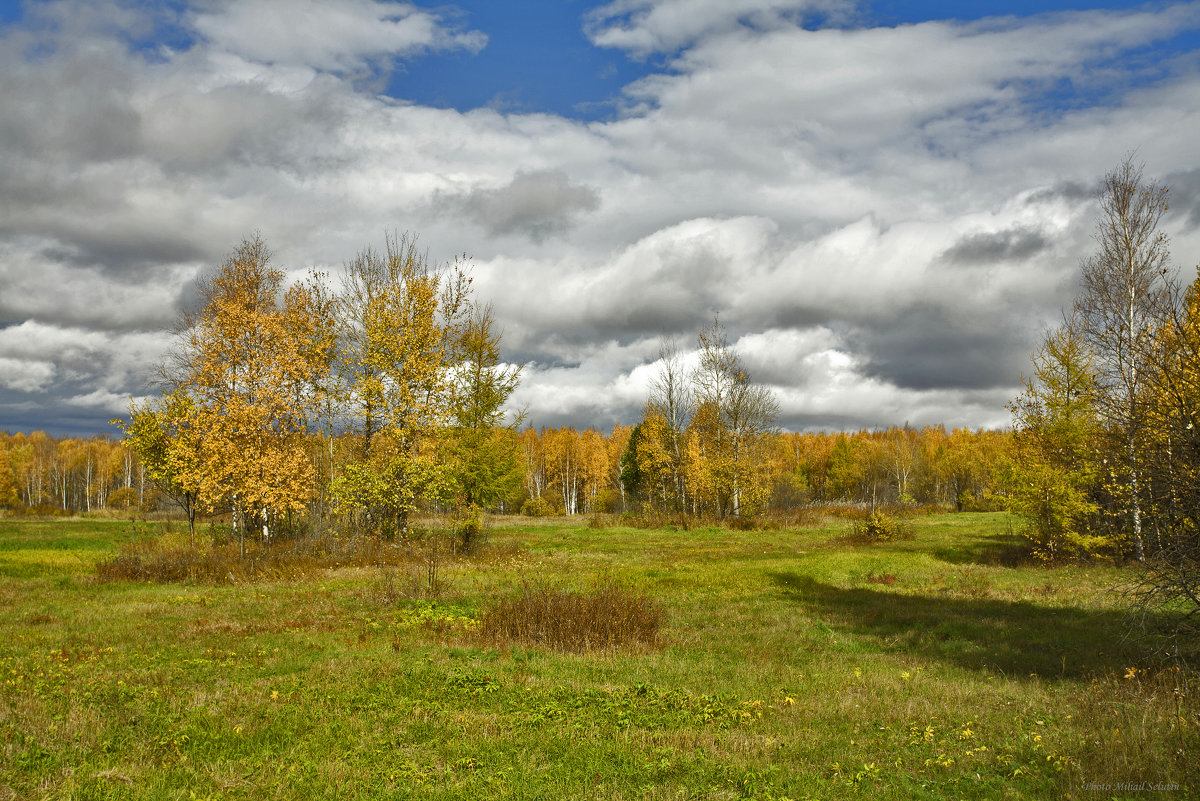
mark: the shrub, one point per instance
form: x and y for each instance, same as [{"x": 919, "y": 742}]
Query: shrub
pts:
[
  {"x": 170, "y": 558},
  {"x": 471, "y": 531},
  {"x": 880, "y": 527},
  {"x": 608, "y": 616},
  {"x": 599, "y": 521},
  {"x": 755, "y": 523},
  {"x": 124, "y": 499},
  {"x": 537, "y": 507}
]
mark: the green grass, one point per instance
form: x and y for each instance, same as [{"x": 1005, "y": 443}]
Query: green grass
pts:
[{"x": 782, "y": 671}]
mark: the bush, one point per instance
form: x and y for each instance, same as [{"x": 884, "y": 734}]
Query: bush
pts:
[
  {"x": 537, "y": 507},
  {"x": 471, "y": 531},
  {"x": 599, "y": 521},
  {"x": 880, "y": 527},
  {"x": 124, "y": 499},
  {"x": 607, "y": 617}
]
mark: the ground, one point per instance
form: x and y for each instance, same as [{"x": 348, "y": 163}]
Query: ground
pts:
[{"x": 792, "y": 663}]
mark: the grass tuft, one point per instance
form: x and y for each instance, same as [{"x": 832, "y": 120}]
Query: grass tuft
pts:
[{"x": 609, "y": 616}]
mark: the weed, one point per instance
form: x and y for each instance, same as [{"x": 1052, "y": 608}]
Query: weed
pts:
[
  {"x": 608, "y": 616},
  {"x": 975, "y": 583},
  {"x": 887, "y": 579}
]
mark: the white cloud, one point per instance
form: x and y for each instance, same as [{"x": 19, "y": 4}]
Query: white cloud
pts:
[
  {"x": 342, "y": 36},
  {"x": 649, "y": 26},
  {"x": 25, "y": 375}
]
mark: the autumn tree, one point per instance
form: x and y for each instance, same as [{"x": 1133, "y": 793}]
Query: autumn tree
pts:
[
  {"x": 647, "y": 465},
  {"x": 1171, "y": 467},
  {"x": 1057, "y": 429},
  {"x": 482, "y": 442},
  {"x": 165, "y": 435},
  {"x": 732, "y": 414},
  {"x": 672, "y": 403},
  {"x": 564, "y": 465},
  {"x": 248, "y": 361},
  {"x": 9, "y": 497},
  {"x": 401, "y": 321},
  {"x": 1123, "y": 304}
]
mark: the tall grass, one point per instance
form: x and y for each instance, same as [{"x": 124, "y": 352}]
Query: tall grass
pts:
[{"x": 608, "y": 616}]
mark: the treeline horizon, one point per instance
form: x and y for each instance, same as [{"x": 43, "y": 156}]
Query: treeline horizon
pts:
[{"x": 566, "y": 470}]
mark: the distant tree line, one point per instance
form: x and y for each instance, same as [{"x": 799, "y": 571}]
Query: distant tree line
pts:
[
  {"x": 43, "y": 474},
  {"x": 560, "y": 471}
]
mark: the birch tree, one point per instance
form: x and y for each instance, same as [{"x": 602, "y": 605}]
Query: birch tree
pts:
[
  {"x": 400, "y": 319},
  {"x": 1125, "y": 301},
  {"x": 245, "y": 355}
]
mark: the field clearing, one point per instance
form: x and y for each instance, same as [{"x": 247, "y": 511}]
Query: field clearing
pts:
[{"x": 792, "y": 664}]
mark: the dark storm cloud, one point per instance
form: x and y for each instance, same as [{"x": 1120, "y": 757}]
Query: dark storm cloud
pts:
[
  {"x": 536, "y": 204},
  {"x": 927, "y": 348},
  {"x": 127, "y": 255},
  {"x": 1014, "y": 244},
  {"x": 790, "y": 313},
  {"x": 825, "y": 422},
  {"x": 1184, "y": 197},
  {"x": 75, "y": 105}
]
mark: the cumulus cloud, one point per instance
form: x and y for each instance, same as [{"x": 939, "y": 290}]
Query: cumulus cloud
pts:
[
  {"x": 644, "y": 27},
  {"x": 993, "y": 246},
  {"x": 340, "y": 37},
  {"x": 25, "y": 375},
  {"x": 885, "y": 219},
  {"x": 536, "y": 204}
]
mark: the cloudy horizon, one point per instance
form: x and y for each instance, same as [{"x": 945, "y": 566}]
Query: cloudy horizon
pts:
[{"x": 885, "y": 208}]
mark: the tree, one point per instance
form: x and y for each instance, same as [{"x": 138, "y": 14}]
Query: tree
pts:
[
  {"x": 903, "y": 454},
  {"x": 9, "y": 498},
  {"x": 732, "y": 414},
  {"x": 248, "y": 361},
  {"x": 1171, "y": 465},
  {"x": 164, "y": 434},
  {"x": 401, "y": 320},
  {"x": 1056, "y": 467},
  {"x": 1123, "y": 304},
  {"x": 672, "y": 401},
  {"x": 647, "y": 463},
  {"x": 487, "y": 469},
  {"x": 565, "y": 464}
]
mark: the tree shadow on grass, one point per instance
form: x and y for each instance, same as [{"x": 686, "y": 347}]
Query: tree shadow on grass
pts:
[
  {"x": 1016, "y": 638},
  {"x": 1007, "y": 550}
]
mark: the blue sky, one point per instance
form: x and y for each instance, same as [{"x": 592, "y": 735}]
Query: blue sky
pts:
[
  {"x": 538, "y": 57},
  {"x": 886, "y": 208}
]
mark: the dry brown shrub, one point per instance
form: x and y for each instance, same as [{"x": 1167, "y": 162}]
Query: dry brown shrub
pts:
[
  {"x": 752, "y": 523},
  {"x": 170, "y": 558},
  {"x": 609, "y": 616}
]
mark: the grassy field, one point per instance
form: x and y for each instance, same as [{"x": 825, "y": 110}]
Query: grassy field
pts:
[{"x": 792, "y": 664}]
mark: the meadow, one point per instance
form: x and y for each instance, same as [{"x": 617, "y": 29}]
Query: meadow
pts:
[{"x": 791, "y": 664}]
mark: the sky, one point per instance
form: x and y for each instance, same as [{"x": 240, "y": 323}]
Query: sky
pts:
[{"x": 885, "y": 203}]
